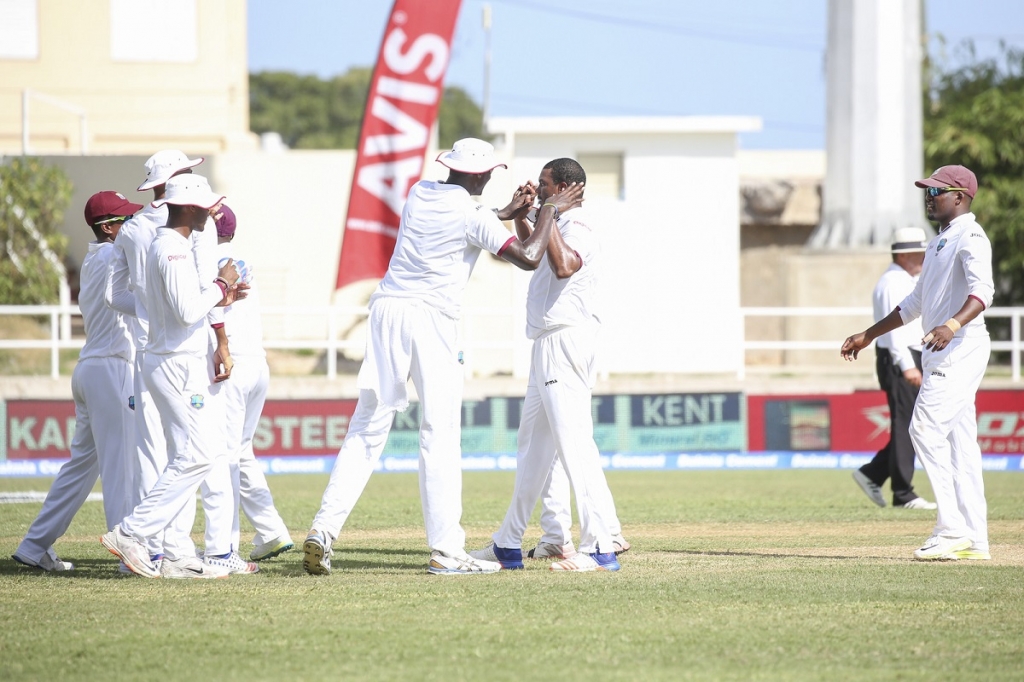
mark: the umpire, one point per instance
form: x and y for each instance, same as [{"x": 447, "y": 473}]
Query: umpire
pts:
[{"x": 898, "y": 365}]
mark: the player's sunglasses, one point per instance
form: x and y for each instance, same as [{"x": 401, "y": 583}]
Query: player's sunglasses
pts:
[
  {"x": 113, "y": 219},
  {"x": 936, "y": 191}
]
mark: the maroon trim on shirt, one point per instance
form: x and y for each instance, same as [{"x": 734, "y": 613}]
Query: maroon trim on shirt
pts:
[
  {"x": 217, "y": 325},
  {"x": 506, "y": 245},
  {"x": 978, "y": 300}
]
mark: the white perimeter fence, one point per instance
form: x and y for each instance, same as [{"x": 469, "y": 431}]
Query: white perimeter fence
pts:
[{"x": 474, "y": 320}]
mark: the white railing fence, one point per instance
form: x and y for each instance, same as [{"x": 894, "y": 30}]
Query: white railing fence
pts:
[{"x": 474, "y": 320}]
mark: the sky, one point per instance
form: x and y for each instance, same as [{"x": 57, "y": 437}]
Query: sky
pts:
[{"x": 610, "y": 58}]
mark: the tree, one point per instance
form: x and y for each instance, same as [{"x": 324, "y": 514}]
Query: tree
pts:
[
  {"x": 974, "y": 116},
  {"x": 33, "y": 197},
  {"x": 311, "y": 113}
]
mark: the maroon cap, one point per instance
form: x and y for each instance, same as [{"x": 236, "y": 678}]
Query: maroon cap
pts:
[
  {"x": 225, "y": 221},
  {"x": 104, "y": 204},
  {"x": 952, "y": 176}
]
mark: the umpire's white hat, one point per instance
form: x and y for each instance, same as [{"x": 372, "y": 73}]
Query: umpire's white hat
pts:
[{"x": 909, "y": 240}]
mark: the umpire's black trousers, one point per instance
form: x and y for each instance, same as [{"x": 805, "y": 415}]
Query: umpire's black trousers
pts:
[{"x": 896, "y": 460}]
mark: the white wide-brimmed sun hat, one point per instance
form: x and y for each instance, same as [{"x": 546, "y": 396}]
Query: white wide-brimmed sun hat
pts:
[
  {"x": 470, "y": 155},
  {"x": 189, "y": 190},
  {"x": 164, "y": 164},
  {"x": 909, "y": 240}
]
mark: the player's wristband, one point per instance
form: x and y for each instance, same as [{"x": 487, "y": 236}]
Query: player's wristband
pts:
[
  {"x": 552, "y": 206},
  {"x": 953, "y": 324},
  {"x": 223, "y": 284}
]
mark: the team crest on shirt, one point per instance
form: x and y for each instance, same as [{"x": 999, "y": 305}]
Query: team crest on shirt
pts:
[
  {"x": 131, "y": 402},
  {"x": 197, "y": 401},
  {"x": 942, "y": 243}
]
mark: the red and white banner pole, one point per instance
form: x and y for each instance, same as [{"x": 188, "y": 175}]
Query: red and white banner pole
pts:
[{"x": 401, "y": 109}]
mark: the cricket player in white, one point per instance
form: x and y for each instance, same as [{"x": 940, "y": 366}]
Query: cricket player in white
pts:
[
  {"x": 102, "y": 387},
  {"x": 563, "y": 320},
  {"x": 954, "y": 289},
  {"x": 126, "y": 292},
  {"x": 244, "y": 397},
  {"x": 179, "y": 379},
  {"x": 413, "y": 334}
]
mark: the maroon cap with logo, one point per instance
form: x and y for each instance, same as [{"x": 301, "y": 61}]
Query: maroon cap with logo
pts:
[
  {"x": 104, "y": 204},
  {"x": 952, "y": 176}
]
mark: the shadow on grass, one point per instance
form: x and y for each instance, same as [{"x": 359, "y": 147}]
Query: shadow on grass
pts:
[
  {"x": 775, "y": 555},
  {"x": 93, "y": 569}
]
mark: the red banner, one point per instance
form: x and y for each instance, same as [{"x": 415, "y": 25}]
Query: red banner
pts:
[
  {"x": 405, "y": 94},
  {"x": 859, "y": 422}
]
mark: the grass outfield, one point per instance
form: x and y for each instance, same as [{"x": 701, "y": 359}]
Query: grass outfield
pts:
[{"x": 733, "y": 575}]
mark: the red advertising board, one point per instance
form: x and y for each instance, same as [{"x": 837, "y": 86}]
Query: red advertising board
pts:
[
  {"x": 42, "y": 429},
  {"x": 859, "y": 422}
]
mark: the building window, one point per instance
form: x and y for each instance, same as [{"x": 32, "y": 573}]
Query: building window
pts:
[
  {"x": 19, "y": 29},
  {"x": 604, "y": 175},
  {"x": 154, "y": 31}
]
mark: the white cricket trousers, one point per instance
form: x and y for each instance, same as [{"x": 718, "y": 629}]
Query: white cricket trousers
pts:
[
  {"x": 557, "y": 422},
  {"x": 556, "y": 509},
  {"x": 193, "y": 426},
  {"x": 102, "y": 446},
  {"x": 244, "y": 395},
  {"x": 408, "y": 339},
  {"x": 944, "y": 429}
]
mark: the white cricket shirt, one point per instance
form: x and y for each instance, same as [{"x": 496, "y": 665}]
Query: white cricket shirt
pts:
[
  {"x": 553, "y": 302},
  {"x": 242, "y": 320},
  {"x": 441, "y": 236},
  {"x": 126, "y": 283},
  {"x": 107, "y": 333},
  {"x": 204, "y": 248},
  {"x": 957, "y": 264},
  {"x": 893, "y": 286},
  {"x": 177, "y": 306}
]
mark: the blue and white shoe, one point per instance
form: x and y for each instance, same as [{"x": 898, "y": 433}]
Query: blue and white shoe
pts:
[
  {"x": 510, "y": 559},
  {"x": 595, "y": 561}
]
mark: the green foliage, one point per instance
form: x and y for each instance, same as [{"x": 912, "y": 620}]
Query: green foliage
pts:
[
  {"x": 975, "y": 117},
  {"x": 311, "y": 113},
  {"x": 33, "y": 197}
]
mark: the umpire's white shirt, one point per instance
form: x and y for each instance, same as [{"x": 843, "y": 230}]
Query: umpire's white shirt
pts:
[
  {"x": 106, "y": 332},
  {"x": 177, "y": 306},
  {"x": 443, "y": 232},
  {"x": 957, "y": 264},
  {"x": 893, "y": 286},
  {"x": 553, "y": 302}
]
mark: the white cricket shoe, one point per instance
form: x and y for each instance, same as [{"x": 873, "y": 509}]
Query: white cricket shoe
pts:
[
  {"x": 919, "y": 503},
  {"x": 132, "y": 552},
  {"x": 549, "y": 550},
  {"x": 937, "y": 548},
  {"x": 269, "y": 550},
  {"x": 972, "y": 554},
  {"x": 583, "y": 563},
  {"x": 317, "y": 553},
  {"x": 232, "y": 563},
  {"x": 190, "y": 568},
  {"x": 619, "y": 544},
  {"x": 459, "y": 564},
  {"x": 870, "y": 488},
  {"x": 49, "y": 562}
]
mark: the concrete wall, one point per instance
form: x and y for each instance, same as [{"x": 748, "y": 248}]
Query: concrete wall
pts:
[{"x": 199, "y": 102}]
